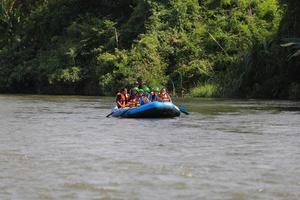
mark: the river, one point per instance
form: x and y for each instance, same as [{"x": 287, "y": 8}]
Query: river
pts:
[{"x": 63, "y": 147}]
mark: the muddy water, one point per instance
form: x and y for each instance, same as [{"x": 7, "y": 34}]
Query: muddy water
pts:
[{"x": 55, "y": 147}]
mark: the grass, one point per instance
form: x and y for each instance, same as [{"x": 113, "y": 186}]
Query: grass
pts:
[{"x": 205, "y": 90}]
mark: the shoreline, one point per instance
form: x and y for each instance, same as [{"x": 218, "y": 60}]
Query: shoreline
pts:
[{"x": 176, "y": 97}]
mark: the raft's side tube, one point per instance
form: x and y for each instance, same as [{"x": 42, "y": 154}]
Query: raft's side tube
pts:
[{"x": 150, "y": 110}]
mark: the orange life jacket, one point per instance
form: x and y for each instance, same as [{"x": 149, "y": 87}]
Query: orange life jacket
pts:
[
  {"x": 134, "y": 101},
  {"x": 164, "y": 97}
]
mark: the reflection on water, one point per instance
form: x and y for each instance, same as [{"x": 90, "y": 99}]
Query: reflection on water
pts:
[{"x": 58, "y": 147}]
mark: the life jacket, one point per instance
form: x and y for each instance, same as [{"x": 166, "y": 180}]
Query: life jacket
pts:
[
  {"x": 134, "y": 100},
  {"x": 164, "y": 97},
  {"x": 121, "y": 98}
]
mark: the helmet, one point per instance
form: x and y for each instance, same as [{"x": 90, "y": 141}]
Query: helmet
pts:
[
  {"x": 146, "y": 89},
  {"x": 156, "y": 89},
  {"x": 136, "y": 89},
  {"x": 141, "y": 90}
]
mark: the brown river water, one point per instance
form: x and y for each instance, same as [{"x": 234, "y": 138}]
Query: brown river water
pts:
[{"x": 63, "y": 147}]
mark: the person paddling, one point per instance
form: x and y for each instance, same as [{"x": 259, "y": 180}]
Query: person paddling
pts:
[
  {"x": 121, "y": 98},
  {"x": 164, "y": 96}
]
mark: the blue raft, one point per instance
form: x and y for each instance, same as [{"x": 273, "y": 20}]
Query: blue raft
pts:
[{"x": 149, "y": 110}]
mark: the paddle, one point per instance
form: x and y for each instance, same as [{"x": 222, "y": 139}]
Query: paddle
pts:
[
  {"x": 120, "y": 115},
  {"x": 109, "y": 114},
  {"x": 182, "y": 109}
]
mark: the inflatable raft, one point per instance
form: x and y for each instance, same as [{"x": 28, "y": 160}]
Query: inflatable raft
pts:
[{"x": 149, "y": 110}]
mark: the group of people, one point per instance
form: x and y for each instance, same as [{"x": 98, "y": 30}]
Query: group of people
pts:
[{"x": 136, "y": 96}]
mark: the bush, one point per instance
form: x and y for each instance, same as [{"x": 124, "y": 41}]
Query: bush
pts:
[
  {"x": 100, "y": 46},
  {"x": 205, "y": 90}
]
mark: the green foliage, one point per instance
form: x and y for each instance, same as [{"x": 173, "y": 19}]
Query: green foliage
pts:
[
  {"x": 112, "y": 71},
  {"x": 205, "y": 90},
  {"x": 146, "y": 63},
  {"x": 96, "y": 47},
  {"x": 295, "y": 44},
  {"x": 66, "y": 75},
  {"x": 240, "y": 35}
]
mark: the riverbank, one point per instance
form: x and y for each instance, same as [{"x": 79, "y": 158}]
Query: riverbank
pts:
[{"x": 186, "y": 97}]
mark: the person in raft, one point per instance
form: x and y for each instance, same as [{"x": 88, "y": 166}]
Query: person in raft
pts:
[
  {"x": 127, "y": 96},
  {"x": 155, "y": 94},
  {"x": 121, "y": 99},
  {"x": 147, "y": 94},
  {"x": 143, "y": 99},
  {"x": 134, "y": 98},
  {"x": 133, "y": 90},
  {"x": 164, "y": 96},
  {"x": 137, "y": 84}
]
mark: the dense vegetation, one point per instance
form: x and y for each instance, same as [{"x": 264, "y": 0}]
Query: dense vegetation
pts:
[{"x": 227, "y": 48}]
